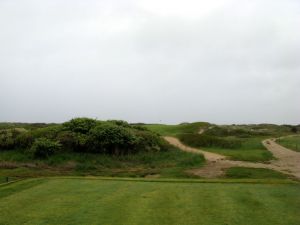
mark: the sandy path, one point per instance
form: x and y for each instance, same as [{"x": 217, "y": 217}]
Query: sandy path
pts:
[
  {"x": 201, "y": 131},
  {"x": 287, "y": 161}
]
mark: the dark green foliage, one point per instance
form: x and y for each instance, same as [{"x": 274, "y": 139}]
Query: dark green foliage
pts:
[
  {"x": 203, "y": 140},
  {"x": 24, "y": 140},
  {"x": 77, "y": 142},
  {"x": 112, "y": 139},
  {"x": 294, "y": 129},
  {"x": 50, "y": 132},
  {"x": 150, "y": 141},
  {"x": 8, "y": 137},
  {"x": 80, "y": 125},
  {"x": 27, "y": 126},
  {"x": 119, "y": 123},
  {"x": 43, "y": 148}
]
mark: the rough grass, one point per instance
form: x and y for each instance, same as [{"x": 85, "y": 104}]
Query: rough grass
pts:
[
  {"x": 251, "y": 150},
  {"x": 173, "y": 130},
  {"x": 291, "y": 142},
  {"x": 172, "y": 163},
  {"x": 83, "y": 201},
  {"x": 253, "y": 173}
]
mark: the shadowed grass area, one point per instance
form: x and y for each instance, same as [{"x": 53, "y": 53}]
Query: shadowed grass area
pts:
[
  {"x": 87, "y": 201},
  {"x": 291, "y": 142},
  {"x": 253, "y": 173}
]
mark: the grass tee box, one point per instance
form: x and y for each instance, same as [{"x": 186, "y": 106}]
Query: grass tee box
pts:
[{"x": 92, "y": 201}]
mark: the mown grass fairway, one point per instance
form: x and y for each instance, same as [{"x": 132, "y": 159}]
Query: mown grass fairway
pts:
[{"x": 88, "y": 201}]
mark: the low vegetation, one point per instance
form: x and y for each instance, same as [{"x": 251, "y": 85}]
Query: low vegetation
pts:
[
  {"x": 251, "y": 150},
  {"x": 239, "y": 142},
  {"x": 83, "y": 135},
  {"x": 86, "y": 146},
  {"x": 291, "y": 142}
]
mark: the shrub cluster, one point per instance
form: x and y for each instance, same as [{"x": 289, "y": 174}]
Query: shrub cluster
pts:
[
  {"x": 237, "y": 132},
  {"x": 203, "y": 140},
  {"x": 8, "y": 137},
  {"x": 43, "y": 148},
  {"x": 84, "y": 135}
]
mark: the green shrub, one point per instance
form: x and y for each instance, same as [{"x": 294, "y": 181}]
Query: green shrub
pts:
[
  {"x": 6, "y": 140},
  {"x": 80, "y": 125},
  {"x": 24, "y": 140},
  {"x": 50, "y": 132},
  {"x": 43, "y": 148},
  {"x": 149, "y": 141},
  {"x": 8, "y": 137},
  {"x": 74, "y": 141},
  {"x": 119, "y": 123},
  {"x": 115, "y": 137},
  {"x": 112, "y": 139}
]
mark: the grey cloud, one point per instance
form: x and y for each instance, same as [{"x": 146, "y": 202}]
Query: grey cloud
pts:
[{"x": 115, "y": 59}]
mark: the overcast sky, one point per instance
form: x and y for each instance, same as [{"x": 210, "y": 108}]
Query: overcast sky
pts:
[{"x": 167, "y": 61}]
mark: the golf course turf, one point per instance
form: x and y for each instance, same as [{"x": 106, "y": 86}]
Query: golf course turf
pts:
[{"x": 96, "y": 201}]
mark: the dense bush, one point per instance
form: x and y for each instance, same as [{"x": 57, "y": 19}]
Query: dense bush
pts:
[
  {"x": 24, "y": 140},
  {"x": 6, "y": 140},
  {"x": 43, "y": 148},
  {"x": 114, "y": 137},
  {"x": 77, "y": 142},
  {"x": 197, "y": 140},
  {"x": 149, "y": 141},
  {"x": 80, "y": 125},
  {"x": 294, "y": 129},
  {"x": 8, "y": 137}
]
